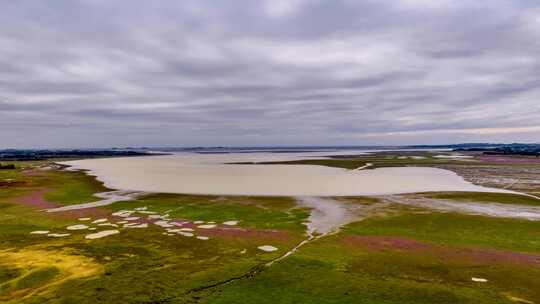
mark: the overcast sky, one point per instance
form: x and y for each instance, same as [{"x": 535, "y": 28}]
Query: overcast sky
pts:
[{"x": 100, "y": 73}]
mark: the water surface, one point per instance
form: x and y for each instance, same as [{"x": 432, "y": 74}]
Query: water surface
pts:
[{"x": 213, "y": 174}]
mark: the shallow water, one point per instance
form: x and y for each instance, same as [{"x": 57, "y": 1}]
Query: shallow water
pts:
[
  {"x": 213, "y": 174},
  {"x": 107, "y": 198},
  {"x": 327, "y": 215},
  {"x": 472, "y": 208}
]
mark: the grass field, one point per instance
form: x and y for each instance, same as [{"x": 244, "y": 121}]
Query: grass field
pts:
[
  {"x": 399, "y": 254},
  {"x": 379, "y": 160}
]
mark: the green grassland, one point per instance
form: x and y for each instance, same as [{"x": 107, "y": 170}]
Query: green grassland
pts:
[
  {"x": 395, "y": 159},
  {"x": 378, "y": 160},
  {"x": 327, "y": 271},
  {"x": 331, "y": 270},
  {"x": 254, "y": 212},
  {"x": 363, "y": 263},
  {"x": 455, "y": 229},
  {"x": 68, "y": 188}
]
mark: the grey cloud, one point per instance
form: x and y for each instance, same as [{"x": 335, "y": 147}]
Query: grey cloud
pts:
[{"x": 95, "y": 72}]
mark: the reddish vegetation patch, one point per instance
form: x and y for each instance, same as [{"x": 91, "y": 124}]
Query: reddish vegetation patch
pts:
[
  {"x": 37, "y": 199},
  {"x": 236, "y": 232},
  {"x": 89, "y": 212},
  {"x": 33, "y": 173},
  {"x": 226, "y": 232},
  {"x": 377, "y": 243},
  {"x": 509, "y": 159},
  {"x": 491, "y": 256},
  {"x": 445, "y": 253}
]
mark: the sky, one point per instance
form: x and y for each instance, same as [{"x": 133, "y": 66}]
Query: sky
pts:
[{"x": 101, "y": 73}]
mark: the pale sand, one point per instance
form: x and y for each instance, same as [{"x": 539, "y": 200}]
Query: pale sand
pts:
[
  {"x": 454, "y": 156},
  {"x": 364, "y": 167},
  {"x": 123, "y": 213},
  {"x": 40, "y": 232},
  {"x": 206, "y": 174},
  {"x": 101, "y": 234},
  {"x": 147, "y": 212},
  {"x": 481, "y": 280},
  {"x": 173, "y": 230},
  {"x": 210, "y": 226},
  {"x": 230, "y": 223},
  {"x": 128, "y": 225},
  {"x": 83, "y": 219},
  {"x": 108, "y": 224},
  {"x": 188, "y": 234},
  {"x": 412, "y": 157},
  {"x": 58, "y": 235},
  {"x": 163, "y": 224},
  {"x": 267, "y": 248},
  {"x": 102, "y": 220},
  {"x": 204, "y": 238},
  {"x": 143, "y": 225},
  {"x": 179, "y": 224},
  {"x": 77, "y": 227}
]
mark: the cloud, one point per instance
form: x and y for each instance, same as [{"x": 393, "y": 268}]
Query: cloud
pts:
[
  {"x": 293, "y": 72},
  {"x": 281, "y": 8}
]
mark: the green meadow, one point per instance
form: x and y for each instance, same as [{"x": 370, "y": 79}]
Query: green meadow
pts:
[{"x": 397, "y": 255}]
